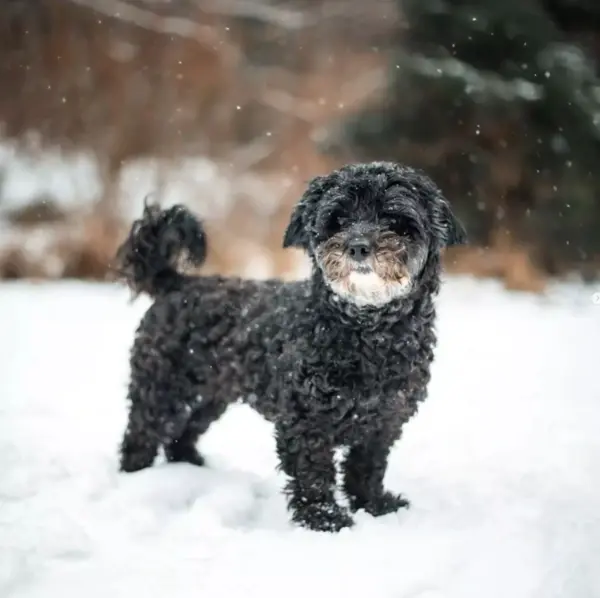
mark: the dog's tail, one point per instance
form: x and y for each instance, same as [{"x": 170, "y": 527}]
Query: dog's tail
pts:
[{"x": 147, "y": 260}]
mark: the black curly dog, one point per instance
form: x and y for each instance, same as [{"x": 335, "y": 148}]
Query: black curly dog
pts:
[{"x": 339, "y": 360}]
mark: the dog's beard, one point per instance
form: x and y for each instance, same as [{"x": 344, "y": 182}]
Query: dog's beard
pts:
[
  {"x": 368, "y": 288},
  {"x": 375, "y": 281}
]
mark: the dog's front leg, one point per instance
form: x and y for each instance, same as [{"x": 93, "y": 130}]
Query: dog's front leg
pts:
[
  {"x": 308, "y": 461},
  {"x": 364, "y": 469}
]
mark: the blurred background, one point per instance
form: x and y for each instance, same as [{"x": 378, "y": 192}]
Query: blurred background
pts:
[{"x": 231, "y": 106}]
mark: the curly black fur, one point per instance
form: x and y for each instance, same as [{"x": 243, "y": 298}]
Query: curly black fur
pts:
[
  {"x": 148, "y": 258},
  {"x": 327, "y": 370}
]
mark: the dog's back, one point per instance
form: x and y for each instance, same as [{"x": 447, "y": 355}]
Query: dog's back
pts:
[{"x": 217, "y": 330}]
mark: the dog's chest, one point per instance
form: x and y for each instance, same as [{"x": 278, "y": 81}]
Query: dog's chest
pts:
[
  {"x": 344, "y": 382},
  {"x": 369, "y": 364},
  {"x": 357, "y": 383}
]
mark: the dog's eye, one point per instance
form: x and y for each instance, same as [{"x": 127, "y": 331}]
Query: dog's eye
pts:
[
  {"x": 335, "y": 223},
  {"x": 401, "y": 227}
]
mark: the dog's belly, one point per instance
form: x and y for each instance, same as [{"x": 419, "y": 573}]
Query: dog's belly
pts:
[{"x": 266, "y": 409}]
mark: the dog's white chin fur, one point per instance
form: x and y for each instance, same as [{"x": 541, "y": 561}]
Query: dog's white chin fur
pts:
[{"x": 368, "y": 289}]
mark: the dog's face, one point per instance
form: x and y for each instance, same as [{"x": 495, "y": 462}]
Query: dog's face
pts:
[
  {"x": 369, "y": 263},
  {"x": 371, "y": 229}
]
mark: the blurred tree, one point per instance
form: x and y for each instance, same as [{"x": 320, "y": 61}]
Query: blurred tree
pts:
[{"x": 500, "y": 102}]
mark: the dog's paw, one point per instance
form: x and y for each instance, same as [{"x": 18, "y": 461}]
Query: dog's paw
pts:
[
  {"x": 134, "y": 458},
  {"x": 383, "y": 504},
  {"x": 184, "y": 454},
  {"x": 323, "y": 517},
  {"x": 130, "y": 465}
]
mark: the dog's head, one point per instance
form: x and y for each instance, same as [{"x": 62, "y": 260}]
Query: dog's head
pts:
[{"x": 372, "y": 229}]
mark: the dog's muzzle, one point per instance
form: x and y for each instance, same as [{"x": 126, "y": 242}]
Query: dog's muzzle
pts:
[{"x": 359, "y": 248}]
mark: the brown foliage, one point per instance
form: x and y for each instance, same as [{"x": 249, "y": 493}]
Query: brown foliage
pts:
[{"x": 252, "y": 94}]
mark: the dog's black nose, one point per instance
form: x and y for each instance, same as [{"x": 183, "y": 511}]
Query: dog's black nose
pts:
[{"x": 359, "y": 249}]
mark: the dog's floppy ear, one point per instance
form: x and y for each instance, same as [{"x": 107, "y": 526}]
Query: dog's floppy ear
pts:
[
  {"x": 297, "y": 232},
  {"x": 456, "y": 233},
  {"x": 453, "y": 232}
]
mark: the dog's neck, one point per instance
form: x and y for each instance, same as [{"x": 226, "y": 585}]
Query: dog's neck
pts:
[{"x": 373, "y": 318}]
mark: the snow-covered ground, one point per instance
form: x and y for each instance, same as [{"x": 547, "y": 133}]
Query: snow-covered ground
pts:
[{"x": 502, "y": 465}]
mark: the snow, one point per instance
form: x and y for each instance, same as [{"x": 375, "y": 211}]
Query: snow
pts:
[
  {"x": 501, "y": 465},
  {"x": 72, "y": 181}
]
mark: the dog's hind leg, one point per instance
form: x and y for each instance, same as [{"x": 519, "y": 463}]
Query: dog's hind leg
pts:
[
  {"x": 160, "y": 412},
  {"x": 140, "y": 443},
  {"x": 183, "y": 448}
]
